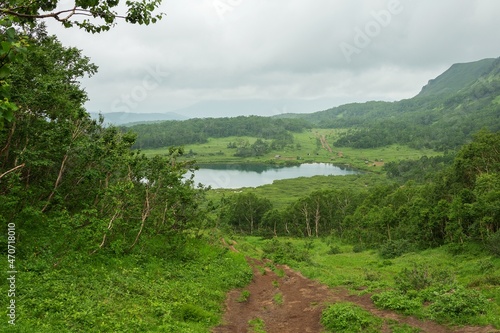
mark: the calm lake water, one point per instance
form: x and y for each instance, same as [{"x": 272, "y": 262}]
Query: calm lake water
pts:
[{"x": 238, "y": 176}]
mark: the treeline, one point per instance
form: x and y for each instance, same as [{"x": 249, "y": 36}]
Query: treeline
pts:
[
  {"x": 457, "y": 204},
  {"x": 175, "y": 133},
  {"x": 71, "y": 185}
]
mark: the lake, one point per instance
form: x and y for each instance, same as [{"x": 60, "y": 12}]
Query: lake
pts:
[{"x": 253, "y": 175}]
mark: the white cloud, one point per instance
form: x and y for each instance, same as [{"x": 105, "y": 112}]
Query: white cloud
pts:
[{"x": 284, "y": 50}]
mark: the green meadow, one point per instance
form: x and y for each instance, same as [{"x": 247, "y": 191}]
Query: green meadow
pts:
[{"x": 306, "y": 148}]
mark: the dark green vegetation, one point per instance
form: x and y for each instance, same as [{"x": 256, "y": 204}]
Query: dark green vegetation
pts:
[
  {"x": 445, "y": 115},
  {"x": 105, "y": 239},
  {"x": 172, "y": 133},
  {"x": 349, "y": 318}
]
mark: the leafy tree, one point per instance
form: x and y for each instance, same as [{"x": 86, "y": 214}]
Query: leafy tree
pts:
[
  {"x": 245, "y": 212},
  {"x": 93, "y": 16}
]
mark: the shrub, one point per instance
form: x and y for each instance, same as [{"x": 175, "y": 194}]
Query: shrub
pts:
[
  {"x": 193, "y": 313},
  {"x": 458, "y": 306},
  {"x": 357, "y": 248},
  {"x": 493, "y": 243},
  {"x": 420, "y": 277},
  {"x": 257, "y": 325},
  {"x": 334, "y": 249},
  {"x": 395, "y": 248},
  {"x": 397, "y": 301},
  {"x": 284, "y": 252},
  {"x": 349, "y": 318}
]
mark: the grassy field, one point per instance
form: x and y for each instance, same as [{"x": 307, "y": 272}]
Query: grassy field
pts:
[
  {"x": 305, "y": 149},
  {"x": 449, "y": 276},
  {"x": 157, "y": 289},
  {"x": 286, "y": 191}
]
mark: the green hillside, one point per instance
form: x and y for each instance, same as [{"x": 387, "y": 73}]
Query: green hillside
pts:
[
  {"x": 443, "y": 116},
  {"x": 458, "y": 77}
]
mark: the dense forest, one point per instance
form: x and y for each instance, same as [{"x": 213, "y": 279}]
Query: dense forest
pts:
[
  {"x": 174, "y": 133},
  {"x": 446, "y": 205}
]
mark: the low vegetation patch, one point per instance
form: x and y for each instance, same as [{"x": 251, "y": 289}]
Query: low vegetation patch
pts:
[
  {"x": 433, "y": 294},
  {"x": 180, "y": 291},
  {"x": 349, "y": 318}
]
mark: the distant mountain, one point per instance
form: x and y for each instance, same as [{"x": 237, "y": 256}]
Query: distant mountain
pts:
[
  {"x": 444, "y": 115},
  {"x": 256, "y": 107},
  {"x": 129, "y": 118},
  {"x": 458, "y": 77}
]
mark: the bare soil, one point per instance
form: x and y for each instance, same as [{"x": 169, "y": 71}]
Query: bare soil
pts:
[{"x": 288, "y": 302}]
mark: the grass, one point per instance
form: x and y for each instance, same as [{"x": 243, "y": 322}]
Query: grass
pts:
[
  {"x": 345, "y": 317},
  {"x": 257, "y": 325},
  {"x": 278, "y": 299},
  {"x": 244, "y": 296},
  {"x": 181, "y": 292},
  {"x": 286, "y": 191},
  {"x": 305, "y": 149},
  {"x": 472, "y": 271}
]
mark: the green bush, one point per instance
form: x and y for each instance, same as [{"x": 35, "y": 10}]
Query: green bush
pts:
[
  {"x": 493, "y": 243},
  {"x": 357, "y": 248},
  {"x": 395, "y": 248},
  {"x": 420, "y": 277},
  {"x": 194, "y": 313},
  {"x": 334, "y": 249},
  {"x": 458, "y": 306},
  {"x": 349, "y": 318},
  {"x": 244, "y": 296},
  {"x": 397, "y": 301},
  {"x": 284, "y": 252}
]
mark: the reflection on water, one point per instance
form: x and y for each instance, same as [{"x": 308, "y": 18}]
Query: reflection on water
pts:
[{"x": 253, "y": 175}]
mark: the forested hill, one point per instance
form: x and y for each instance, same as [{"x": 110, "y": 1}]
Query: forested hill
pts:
[
  {"x": 171, "y": 133},
  {"x": 444, "y": 115},
  {"x": 457, "y": 77}
]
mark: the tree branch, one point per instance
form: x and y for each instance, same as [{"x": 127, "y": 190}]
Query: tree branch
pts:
[{"x": 11, "y": 170}]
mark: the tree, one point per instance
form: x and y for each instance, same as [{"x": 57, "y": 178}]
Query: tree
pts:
[
  {"x": 93, "y": 16},
  {"x": 16, "y": 16},
  {"x": 246, "y": 211}
]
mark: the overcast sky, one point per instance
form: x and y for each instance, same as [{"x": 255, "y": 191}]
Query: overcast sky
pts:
[{"x": 313, "y": 53}]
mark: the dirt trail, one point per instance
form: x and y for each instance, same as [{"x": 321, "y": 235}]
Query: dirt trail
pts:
[
  {"x": 298, "y": 306},
  {"x": 324, "y": 143}
]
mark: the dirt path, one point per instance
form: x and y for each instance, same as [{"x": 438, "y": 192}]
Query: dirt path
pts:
[
  {"x": 288, "y": 302},
  {"x": 324, "y": 143}
]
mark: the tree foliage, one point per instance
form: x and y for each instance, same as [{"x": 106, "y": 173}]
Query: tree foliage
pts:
[
  {"x": 68, "y": 182},
  {"x": 456, "y": 203},
  {"x": 93, "y": 16},
  {"x": 175, "y": 133}
]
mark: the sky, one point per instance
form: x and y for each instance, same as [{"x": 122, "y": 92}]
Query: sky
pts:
[{"x": 266, "y": 57}]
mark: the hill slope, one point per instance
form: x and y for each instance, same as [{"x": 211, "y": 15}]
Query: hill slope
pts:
[
  {"x": 457, "y": 77},
  {"x": 444, "y": 115}
]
